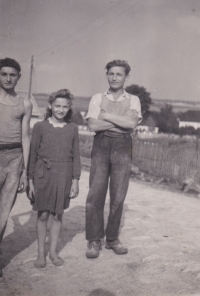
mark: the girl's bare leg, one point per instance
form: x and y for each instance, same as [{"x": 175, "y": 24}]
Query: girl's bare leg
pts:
[
  {"x": 41, "y": 237},
  {"x": 54, "y": 236}
]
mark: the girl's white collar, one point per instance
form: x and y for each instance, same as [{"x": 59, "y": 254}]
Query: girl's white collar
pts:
[{"x": 56, "y": 124}]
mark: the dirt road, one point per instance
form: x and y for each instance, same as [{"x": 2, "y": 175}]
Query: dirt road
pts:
[{"x": 161, "y": 229}]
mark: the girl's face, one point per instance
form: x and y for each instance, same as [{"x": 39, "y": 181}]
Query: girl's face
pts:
[{"x": 60, "y": 108}]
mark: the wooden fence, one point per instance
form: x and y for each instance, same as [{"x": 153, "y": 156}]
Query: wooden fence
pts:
[{"x": 176, "y": 162}]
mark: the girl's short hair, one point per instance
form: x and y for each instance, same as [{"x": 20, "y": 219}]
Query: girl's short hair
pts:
[
  {"x": 63, "y": 93},
  {"x": 7, "y": 62},
  {"x": 119, "y": 63}
]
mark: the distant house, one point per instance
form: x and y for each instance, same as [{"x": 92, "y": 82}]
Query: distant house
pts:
[
  {"x": 190, "y": 118},
  {"x": 147, "y": 125},
  {"x": 36, "y": 114}
]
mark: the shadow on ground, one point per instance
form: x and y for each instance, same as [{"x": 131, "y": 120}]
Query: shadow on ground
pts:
[
  {"x": 100, "y": 292},
  {"x": 24, "y": 234},
  {"x": 74, "y": 223}
]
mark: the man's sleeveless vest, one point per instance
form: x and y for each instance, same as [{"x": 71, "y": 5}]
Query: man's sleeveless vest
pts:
[
  {"x": 11, "y": 122},
  {"x": 117, "y": 108}
]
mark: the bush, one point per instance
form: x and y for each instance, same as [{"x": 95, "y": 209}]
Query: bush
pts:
[{"x": 188, "y": 130}]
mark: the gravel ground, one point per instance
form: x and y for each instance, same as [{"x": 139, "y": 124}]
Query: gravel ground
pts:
[{"x": 159, "y": 226}]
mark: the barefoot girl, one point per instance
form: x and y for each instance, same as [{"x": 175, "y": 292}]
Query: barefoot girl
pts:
[{"x": 54, "y": 171}]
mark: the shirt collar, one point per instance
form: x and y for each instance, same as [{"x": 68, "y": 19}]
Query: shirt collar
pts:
[{"x": 109, "y": 95}]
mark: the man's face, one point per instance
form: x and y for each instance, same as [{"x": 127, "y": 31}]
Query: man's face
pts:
[
  {"x": 116, "y": 77},
  {"x": 9, "y": 78}
]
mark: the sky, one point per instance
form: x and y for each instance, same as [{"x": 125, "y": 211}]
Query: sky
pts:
[{"x": 73, "y": 40}]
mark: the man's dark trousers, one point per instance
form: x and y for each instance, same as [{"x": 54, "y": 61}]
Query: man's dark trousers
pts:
[{"x": 111, "y": 158}]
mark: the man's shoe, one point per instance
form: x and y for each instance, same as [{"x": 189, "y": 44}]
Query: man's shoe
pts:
[
  {"x": 93, "y": 249},
  {"x": 116, "y": 246}
]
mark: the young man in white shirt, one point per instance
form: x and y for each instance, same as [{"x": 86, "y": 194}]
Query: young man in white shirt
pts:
[{"x": 113, "y": 116}]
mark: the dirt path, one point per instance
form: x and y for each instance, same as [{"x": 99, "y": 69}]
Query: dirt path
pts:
[{"x": 160, "y": 227}]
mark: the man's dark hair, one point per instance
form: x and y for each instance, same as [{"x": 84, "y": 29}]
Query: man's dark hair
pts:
[
  {"x": 119, "y": 63},
  {"x": 7, "y": 62}
]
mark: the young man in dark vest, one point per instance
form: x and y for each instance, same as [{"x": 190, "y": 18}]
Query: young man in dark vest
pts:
[
  {"x": 15, "y": 114},
  {"x": 113, "y": 116}
]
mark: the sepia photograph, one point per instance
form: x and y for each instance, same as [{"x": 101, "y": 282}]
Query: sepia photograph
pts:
[{"x": 99, "y": 147}]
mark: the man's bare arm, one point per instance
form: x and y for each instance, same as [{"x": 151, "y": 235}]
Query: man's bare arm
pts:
[
  {"x": 96, "y": 125},
  {"x": 129, "y": 120},
  {"x": 25, "y": 143}
]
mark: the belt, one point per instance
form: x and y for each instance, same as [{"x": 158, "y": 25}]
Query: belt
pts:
[
  {"x": 112, "y": 134},
  {"x": 10, "y": 146},
  {"x": 47, "y": 162}
]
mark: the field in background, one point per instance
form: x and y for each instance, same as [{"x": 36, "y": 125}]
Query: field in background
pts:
[
  {"x": 169, "y": 139},
  {"x": 81, "y": 103}
]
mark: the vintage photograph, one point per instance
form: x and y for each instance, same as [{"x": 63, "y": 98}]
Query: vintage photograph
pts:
[{"x": 99, "y": 147}]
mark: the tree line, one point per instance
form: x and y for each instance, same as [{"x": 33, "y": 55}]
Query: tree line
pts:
[{"x": 166, "y": 119}]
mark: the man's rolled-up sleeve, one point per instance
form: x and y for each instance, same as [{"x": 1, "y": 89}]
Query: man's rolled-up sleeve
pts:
[
  {"x": 136, "y": 106},
  {"x": 94, "y": 107}
]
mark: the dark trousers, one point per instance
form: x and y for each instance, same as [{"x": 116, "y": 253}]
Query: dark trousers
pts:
[{"x": 111, "y": 161}]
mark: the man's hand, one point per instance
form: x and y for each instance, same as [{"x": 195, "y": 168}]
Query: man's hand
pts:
[
  {"x": 31, "y": 192},
  {"x": 23, "y": 183},
  {"x": 74, "y": 189}
]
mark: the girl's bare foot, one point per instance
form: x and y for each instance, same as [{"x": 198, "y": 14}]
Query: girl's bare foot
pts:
[
  {"x": 40, "y": 262},
  {"x": 56, "y": 260}
]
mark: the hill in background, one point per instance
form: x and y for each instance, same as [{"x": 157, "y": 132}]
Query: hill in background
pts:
[
  {"x": 178, "y": 106},
  {"x": 81, "y": 104}
]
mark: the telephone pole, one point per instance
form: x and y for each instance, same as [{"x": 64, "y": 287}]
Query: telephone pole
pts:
[{"x": 30, "y": 80}]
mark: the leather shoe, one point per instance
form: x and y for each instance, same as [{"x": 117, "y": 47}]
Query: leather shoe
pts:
[
  {"x": 93, "y": 249},
  {"x": 116, "y": 246}
]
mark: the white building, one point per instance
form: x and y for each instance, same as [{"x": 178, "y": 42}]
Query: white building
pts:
[{"x": 190, "y": 118}]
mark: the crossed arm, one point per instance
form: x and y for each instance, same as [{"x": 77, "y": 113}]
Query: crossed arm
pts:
[{"x": 107, "y": 121}]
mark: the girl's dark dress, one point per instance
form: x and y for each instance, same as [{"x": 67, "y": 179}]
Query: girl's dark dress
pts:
[{"x": 54, "y": 163}]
